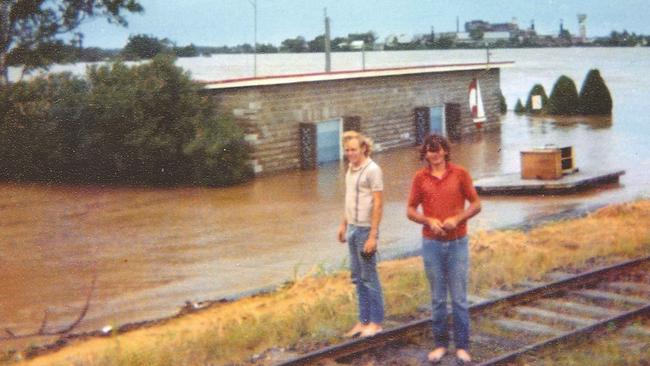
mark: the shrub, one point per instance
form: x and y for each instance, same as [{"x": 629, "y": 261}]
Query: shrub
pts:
[
  {"x": 218, "y": 151},
  {"x": 503, "y": 106},
  {"x": 145, "y": 124},
  {"x": 40, "y": 122},
  {"x": 519, "y": 108},
  {"x": 143, "y": 117},
  {"x": 564, "y": 97},
  {"x": 594, "y": 95},
  {"x": 537, "y": 89}
]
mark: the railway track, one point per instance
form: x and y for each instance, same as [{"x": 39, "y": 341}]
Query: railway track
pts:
[{"x": 537, "y": 316}]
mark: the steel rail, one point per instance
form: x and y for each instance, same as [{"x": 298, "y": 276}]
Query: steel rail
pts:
[
  {"x": 417, "y": 327},
  {"x": 569, "y": 336}
]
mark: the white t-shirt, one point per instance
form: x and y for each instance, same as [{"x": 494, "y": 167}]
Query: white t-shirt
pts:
[{"x": 359, "y": 184}]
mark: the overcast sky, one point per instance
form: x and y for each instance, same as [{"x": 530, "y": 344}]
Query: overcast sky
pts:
[{"x": 231, "y": 22}]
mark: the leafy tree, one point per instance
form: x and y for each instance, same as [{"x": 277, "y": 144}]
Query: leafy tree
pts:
[
  {"x": 50, "y": 110},
  {"x": 340, "y": 44},
  {"x": 537, "y": 90},
  {"x": 503, "y": 106},
  {"x": 564, "y": 97},
  {"x": 218, "y": 154},
  {"x": 317, "y": 44},
  {"x": 142, "y": 46},
  {"x": 187, "y": 51},
  {"x": 31, "y": 31},
  {"x": 266, "y": 48},
  {"x": 145, "y": 124},
  {"x": 444, "y": 43},
  {"x": 594, "y": 95},
  {"x": 476, "y": 34},
  {"x": 519, "y": 108},
  {"x": 297, "y": 44},
  {"x": 142, "y": 120}
]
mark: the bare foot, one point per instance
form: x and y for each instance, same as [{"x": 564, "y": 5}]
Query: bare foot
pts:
[
  {"x": 463, "y": 356},
  {"x": 437, "y": 354},
  {"x": 371, "y": 329},
  {"x": 355, "y": 331}
]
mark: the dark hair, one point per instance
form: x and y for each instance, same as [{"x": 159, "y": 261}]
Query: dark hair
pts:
[{"x": 435, "y": 142}]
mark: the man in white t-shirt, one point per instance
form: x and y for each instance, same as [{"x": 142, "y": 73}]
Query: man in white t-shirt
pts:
[{"x": 360, "y": 228}]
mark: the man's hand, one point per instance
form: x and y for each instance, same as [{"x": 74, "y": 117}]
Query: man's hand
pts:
[
  {"x": 450, "y": 224},
  {"x": 370, "y": 247},
  {"x": 436, "y": 226},
  {"x": 341, "y": 233}
]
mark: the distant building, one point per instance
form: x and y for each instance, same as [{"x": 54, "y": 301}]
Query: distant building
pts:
[
  {"x": 356, "y": 45},
  {"x": 397, "y": 39},
  {"x": 492, "y": 37},
  {"x": 476, "y": 25},
  {"x": 485, "y": 32}
]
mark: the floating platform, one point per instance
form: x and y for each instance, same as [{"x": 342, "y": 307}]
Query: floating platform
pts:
[{"x": 513, "y": 184}]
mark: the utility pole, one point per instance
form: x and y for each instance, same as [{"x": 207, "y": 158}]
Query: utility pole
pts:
[
  {"x": 254, "y": 4},
  {"x": 328, "y": 50}
]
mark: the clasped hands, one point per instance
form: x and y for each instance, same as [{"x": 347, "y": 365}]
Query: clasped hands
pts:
[{"x": 442, "y": 227}]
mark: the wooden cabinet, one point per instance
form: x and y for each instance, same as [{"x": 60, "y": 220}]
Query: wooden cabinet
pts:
[
  {"x": 567, "y": 160},
  {"x": 549, "y": 162},
  {"x": 541, "y": 164}
]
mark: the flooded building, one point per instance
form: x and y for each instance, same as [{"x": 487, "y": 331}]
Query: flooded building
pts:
[{"x": 296, "y": 121}]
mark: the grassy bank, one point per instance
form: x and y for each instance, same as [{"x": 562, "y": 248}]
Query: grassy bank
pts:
[{"x": 316, "y": 309}]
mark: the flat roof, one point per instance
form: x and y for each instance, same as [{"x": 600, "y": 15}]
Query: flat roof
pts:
[{"x": 348, "y": 74}]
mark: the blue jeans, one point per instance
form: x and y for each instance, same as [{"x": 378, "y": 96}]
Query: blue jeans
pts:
[
  {"x": 365, "y": 277},
  {"x": 446, "y": 264}
]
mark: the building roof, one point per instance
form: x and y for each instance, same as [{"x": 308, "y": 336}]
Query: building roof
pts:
[{"x": 348, "y": 74}]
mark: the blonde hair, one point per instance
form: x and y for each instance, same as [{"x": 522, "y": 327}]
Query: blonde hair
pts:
[{"x": 364, "y": 141}]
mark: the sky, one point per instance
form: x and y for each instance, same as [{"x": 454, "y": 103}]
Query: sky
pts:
[{"x": 231, "y": 22}]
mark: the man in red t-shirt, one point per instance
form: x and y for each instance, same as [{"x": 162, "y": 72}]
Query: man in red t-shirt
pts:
[{"x": 442, "y": 189}]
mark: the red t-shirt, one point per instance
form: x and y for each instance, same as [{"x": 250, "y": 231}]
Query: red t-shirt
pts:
[{"x": 443, "y": 198}]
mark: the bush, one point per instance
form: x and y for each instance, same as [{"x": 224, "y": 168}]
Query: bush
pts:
[
  {"x": 564, "y": 97},
  {"x": 40, "y": 123},
  {"x": 145, "y": 124},
  {"x": 218, "y": 151},
  {"x": 503, "y": 106},
  {"x": 594, "y": 95},
  {"x": 143, "y": 117},
  {"x": 537, "y": 89},
  {"x": 519, "y": 108}
]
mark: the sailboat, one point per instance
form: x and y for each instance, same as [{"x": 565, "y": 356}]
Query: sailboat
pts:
[{"x": 476, "y": 104}]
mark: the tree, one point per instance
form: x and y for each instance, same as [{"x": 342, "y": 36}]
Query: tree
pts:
[
  {"x": 187, "y": 51},
  {"x": 564, "y": 97},
  {"x": 476, "y": 34},
  {"x": 266, "y": 48},
  {"x": 519, "y": 108},
  {"x": 594, "y": 95},
  {"x": 503, "y": 105},
  {"x": 297, "y": 44},
  {"x": 142, "y": 46},
  {"x": 317, "y": 44},
  {"x": 539, "y": 93},
  {"x": 31, "y": 31}
]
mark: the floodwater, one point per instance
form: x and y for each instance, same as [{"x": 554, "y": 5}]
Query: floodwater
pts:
[{"x": 152, "y": 249}]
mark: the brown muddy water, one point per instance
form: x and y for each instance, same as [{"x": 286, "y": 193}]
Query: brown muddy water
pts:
[{"x": 152, "y": 249}]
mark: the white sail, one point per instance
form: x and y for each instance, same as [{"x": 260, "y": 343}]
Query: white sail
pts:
[{"x": 476, "y": 102}]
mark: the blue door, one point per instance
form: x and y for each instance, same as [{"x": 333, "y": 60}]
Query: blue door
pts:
[
  {"x": 437, "y": 121},
  {"x": 328, "y": 141}
]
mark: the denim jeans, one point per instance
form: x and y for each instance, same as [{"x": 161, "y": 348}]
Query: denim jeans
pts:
[
  {"x": 365, "y": 277},
  {"x": 446, "y": 264}
]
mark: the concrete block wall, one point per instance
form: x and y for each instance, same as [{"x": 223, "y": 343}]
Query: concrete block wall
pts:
[{"x": 270, "y": 114}]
